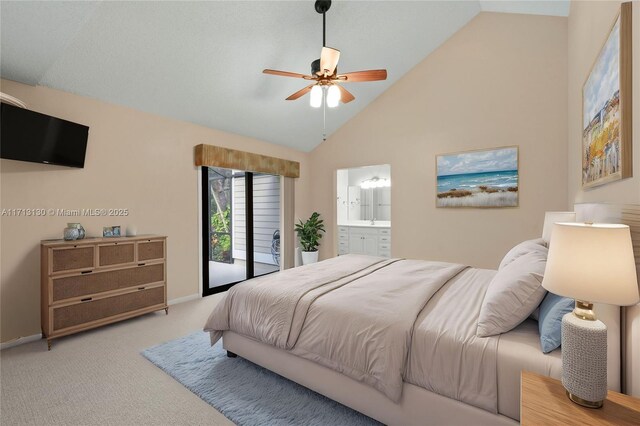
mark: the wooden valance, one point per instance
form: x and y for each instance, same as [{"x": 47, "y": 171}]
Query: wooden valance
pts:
[{"x": 215, "y": 156}]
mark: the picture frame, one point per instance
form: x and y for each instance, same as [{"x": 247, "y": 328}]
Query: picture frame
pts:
[
  {"x": 607, "y": 108},
  {"x": 483, "y": 178},
  {"x": 111, "y": 231}
]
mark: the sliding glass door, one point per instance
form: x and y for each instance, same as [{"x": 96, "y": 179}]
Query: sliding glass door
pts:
[{"x": 241, "y": 221}]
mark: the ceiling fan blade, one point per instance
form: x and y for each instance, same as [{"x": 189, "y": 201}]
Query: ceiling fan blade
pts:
[
  {"x": 329, "y": 60},
  {"x": 288, "y": 74},
  {"x": 358, "y": 76},
  {"x": 300, "y": 93},
  {"x": 345, "y": 95}
]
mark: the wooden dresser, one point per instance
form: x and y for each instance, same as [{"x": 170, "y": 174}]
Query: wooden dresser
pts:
[{"x": 97, "y": 281}]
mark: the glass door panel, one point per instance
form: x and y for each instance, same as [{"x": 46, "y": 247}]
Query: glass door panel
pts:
[
  {"x": 226, "y": 206},
  {"x": 266, "y": 224},
  {"x": 241, "y": 229}
]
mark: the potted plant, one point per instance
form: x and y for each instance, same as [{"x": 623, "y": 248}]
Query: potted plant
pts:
[{"x": 309, "y": 233}]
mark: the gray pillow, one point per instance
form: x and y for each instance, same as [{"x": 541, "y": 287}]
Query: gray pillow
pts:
[
  {"x": 514, "y": 293},
  {"x": 520, "y": 249}
]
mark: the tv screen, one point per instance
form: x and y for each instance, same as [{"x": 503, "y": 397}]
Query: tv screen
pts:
[{"x": 30, "y": 136}]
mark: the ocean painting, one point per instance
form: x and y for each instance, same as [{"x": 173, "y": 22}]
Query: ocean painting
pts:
[{"x": 487, "y": 178}]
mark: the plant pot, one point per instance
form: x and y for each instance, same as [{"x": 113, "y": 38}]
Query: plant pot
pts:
[{"x": 309, "y": 257}]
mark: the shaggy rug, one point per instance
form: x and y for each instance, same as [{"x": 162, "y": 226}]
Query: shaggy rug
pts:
[{"x": 244, "y": 392}]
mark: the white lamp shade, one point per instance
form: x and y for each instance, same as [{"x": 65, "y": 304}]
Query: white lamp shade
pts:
[
  {"x": 553, "y": 217},
  {"x": 592, "y": 263}
]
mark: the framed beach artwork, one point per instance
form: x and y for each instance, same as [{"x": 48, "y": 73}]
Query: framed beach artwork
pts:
[
  {"x": 606, "y": 108},
  {"x": 483, "y": 178}
]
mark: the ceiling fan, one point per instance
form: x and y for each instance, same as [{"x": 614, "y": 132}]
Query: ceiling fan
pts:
[{"x": 324, "y": 72}]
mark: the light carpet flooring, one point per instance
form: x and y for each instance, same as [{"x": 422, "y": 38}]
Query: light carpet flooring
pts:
[{"x": 99, "y": 377}]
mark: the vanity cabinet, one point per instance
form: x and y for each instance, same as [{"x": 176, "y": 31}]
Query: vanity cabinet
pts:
[{"x": 372, "y": 241}]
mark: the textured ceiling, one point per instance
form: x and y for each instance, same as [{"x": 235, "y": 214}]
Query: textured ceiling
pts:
[{"x": 201, "y": 61}]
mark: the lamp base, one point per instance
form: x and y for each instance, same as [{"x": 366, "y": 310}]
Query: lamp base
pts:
[
  {"x": 584, "y": 360},
  {"x": 584, "y": 402}
]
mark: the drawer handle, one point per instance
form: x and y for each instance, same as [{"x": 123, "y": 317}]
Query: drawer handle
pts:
[
  {"x": 141, "y": 264},
  {"x": 86, "y": 299},
  {"x": 86, "y": 272},
  {"x": 141, "y": 288}
]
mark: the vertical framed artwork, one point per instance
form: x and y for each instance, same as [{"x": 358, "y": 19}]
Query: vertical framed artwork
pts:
[
  {"x": 606, "y": 108},
  {"x": 482, "y": 178}
]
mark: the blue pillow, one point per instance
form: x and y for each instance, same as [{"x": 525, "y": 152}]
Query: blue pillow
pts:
[{"x": 552, "y": 309}]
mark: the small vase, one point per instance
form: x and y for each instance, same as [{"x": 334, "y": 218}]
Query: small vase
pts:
[
  {"x": 71, "y": 233},
  {"x": 131, "y": 231},
  {"x": 81, "y": 231}
]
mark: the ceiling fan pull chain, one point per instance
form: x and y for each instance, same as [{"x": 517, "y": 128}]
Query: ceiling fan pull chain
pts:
[{"x": 324, "y": 121}]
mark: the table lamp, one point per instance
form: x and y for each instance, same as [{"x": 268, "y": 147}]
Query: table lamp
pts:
[
  {"x": 589, "y": 263},
  {"x": 552, "y": 217}
]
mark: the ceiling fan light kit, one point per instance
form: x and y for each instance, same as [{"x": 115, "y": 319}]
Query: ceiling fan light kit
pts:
[
  {"x": 315, "y": 100},
  {"x": 324, "y": 73}
]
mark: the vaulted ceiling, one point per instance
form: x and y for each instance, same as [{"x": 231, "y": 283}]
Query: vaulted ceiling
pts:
[{"x": 202, "y": 61}]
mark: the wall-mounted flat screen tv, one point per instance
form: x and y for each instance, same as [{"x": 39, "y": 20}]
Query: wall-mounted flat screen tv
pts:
[{"x": 30, "y": 136}]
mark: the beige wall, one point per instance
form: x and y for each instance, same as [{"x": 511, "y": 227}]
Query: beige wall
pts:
[
  {"x": 588, "y": 27},
  {"x": 134, "y": 160},
  {"x": 501, "y": 80}
]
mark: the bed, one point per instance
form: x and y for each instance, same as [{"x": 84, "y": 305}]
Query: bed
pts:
[{"x": 392, "y": 338}]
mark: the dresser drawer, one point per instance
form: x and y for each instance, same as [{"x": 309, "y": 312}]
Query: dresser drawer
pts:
[
  {"x": 384, "y": 254},
  {"x": 343, "y": 230},
  {"x": 385, "y": 231},
  {"x": 343, "y": 250},
  {"x": 116, "y": 254},
  {"x": 98, "y": 282},
  {"x": 344, "y": 237},
  {"x": 73, "y": 258},
  {"x": 384, "y": 238},
  {"x": 93, "y": 310},
  {"x": 384, "y": 247},
  {"x": 150, "y": 250}
]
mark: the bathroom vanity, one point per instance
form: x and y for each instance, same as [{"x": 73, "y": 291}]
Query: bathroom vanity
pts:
[{"x": 364, "y": 210}]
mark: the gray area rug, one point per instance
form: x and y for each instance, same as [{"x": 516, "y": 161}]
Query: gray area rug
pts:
[{"x": 244, "y": 392}]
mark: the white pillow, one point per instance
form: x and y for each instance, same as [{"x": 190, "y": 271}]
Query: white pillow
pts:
[
  {"x": 520, "y": 249},
  {"x": 513, "y": 294}
]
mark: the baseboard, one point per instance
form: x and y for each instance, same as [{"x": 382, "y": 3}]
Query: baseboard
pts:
[
  {"x": 20, "y": 341},
  {"x": 188, "y": 298},
  {"x": 33, "y": 338}
]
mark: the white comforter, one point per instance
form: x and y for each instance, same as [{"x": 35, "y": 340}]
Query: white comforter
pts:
[{"x": 356, "y": 314}]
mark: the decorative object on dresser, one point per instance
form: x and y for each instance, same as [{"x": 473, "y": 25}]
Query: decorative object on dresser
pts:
[
  {"x": 74, "y": 231},
  {"x": 590, "y": 263},
  {"x": 543, "y": 403},
  {"x": 98, "y": 281},
  {"x": 131, "y": 231},
  {"x": 111, "y": 231},
  {"x": 550, "y": 218},
  {"x": 606, "y": 110},
  {"x": 309, "y": 233}
]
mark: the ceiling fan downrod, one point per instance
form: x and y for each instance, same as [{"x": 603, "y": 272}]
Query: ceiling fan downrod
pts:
[{"x": 322, "y": 6}]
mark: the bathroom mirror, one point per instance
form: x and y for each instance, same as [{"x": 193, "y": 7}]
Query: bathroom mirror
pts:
[
  {"x": 364, "y": 201},
  {"x": 364, "y": 195}
]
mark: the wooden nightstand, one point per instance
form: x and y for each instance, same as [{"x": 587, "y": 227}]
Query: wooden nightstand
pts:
[{"x": 543, "y": 401}]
